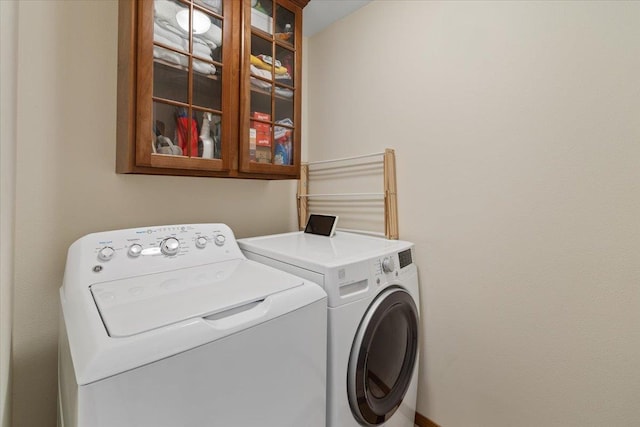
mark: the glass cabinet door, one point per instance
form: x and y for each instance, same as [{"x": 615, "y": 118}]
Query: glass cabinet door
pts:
[
  {"x": 190, "y": 84},
  {"x": 270, "y": 119}
]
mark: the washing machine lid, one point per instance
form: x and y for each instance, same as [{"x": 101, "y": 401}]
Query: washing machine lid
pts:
[{"x": 138, "y": 304}]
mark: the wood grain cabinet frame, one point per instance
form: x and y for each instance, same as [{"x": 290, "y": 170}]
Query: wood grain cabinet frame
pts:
[{"x": 169, "y": 91}]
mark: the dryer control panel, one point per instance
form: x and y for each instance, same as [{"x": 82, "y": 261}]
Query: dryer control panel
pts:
[{"x": 137, "y": 251}]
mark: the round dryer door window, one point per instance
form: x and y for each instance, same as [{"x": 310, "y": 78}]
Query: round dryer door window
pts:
[{"x": 383, "y": 357}]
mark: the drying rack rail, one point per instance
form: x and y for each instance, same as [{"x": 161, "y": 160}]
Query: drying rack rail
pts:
[{"x": 357, "y": 175}]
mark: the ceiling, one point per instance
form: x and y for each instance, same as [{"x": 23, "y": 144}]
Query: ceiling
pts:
[{"x": 319, "y": 14}]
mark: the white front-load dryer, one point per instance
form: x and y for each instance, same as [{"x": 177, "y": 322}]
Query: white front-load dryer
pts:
[
  {"x": 373, "y": 317},
  {"x": 173, "y": 327}
]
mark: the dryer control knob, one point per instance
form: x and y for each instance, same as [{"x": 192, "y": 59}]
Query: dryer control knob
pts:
[
  {"x": 106, "y": 253},
  {"x": 135, "y": 250},
  {"x": 388, "y": 265},
  {"x": 170, "y": 246},
  {"x": 220, "y": 239},
  {"x": 201, "y": 242}
]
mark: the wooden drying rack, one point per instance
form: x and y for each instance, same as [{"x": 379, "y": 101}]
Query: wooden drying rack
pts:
[{"x": 388, "y": 194}]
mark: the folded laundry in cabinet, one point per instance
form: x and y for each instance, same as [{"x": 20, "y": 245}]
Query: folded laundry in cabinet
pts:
[
  {"x": 169, "y": 56},
  {"x": 161, "y": 30},
  {"x": 283, "y": 76},
  {"x": 162, "y": 35},
  {"x": 165, "y": 13},
  {"x": 284, "y": 92},
  {"x": 161, "y": 39},
  {"x": 203, "y": 67},
  {"x": 266, "y": 74},
  {"x": 259, "y": 83},
  {"x": 213, "y": 36},
  {"x": 175, "y": 58},
  {"x": 169, "y": 31},
  {"x": 215, "y": 5},
  {"x": 284, "y": 79},
  {"x": 265, "y": 61},
  {"x": 202, "y": 50}
]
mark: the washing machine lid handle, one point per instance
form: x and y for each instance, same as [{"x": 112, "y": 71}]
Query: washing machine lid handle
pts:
[{"x": 138, "y": 304}]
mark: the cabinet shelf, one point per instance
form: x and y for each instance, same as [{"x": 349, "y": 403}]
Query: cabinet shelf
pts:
[
  {"x": 260, "y": 33},
  {"x": 178, "y": 67},
  {"x": 266, "y": 36},
  {"x": 266, "y": 92}
]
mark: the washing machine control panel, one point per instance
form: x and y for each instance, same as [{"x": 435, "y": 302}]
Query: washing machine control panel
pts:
[
  {"x": 352, "y": 281},
  {"x": 139, "y": 251},
  {"x": 405, "y": 257},
  {"x": 383, "y": 266},
  {"x": 386, "y": 268}
]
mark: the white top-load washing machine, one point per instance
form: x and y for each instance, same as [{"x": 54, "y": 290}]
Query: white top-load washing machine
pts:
[
  {"x": 373, "y": 290},
  {"x": 173, "y": 327}
]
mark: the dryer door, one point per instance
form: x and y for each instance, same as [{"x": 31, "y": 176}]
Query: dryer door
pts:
[{"x": 383, "y": 357}]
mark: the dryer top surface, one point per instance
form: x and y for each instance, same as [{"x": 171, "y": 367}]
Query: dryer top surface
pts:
[{"x": 320, "y": 252}]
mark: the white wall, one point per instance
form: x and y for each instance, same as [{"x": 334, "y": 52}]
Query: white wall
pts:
[
  {"x": 517, "y": 134},
  {"x": 8, "y": 54},
  {"x": 67, "y": 187}
]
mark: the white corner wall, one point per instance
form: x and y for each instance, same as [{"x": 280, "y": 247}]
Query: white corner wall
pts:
[
  {"x": 8, "y": 55},
  {"x": 67, "y": 185},
  {"x": 517, "y": 133}
]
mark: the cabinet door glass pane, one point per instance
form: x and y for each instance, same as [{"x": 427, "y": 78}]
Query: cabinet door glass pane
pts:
[
  {"x": 262, "y": 15},
  {"x": 171, "y": 24},
  {"x": 272, "y": 77},
  {"x": 208, "y": 125},
  {"x": 170, "y": 74},
  {"x": 187, "y": 124},
  {"x": 284, "y": 106},
  {"x": 261, "y": 53},
  {"x": 283, "y": 149},
  {"x": 165, "y": 130},
  {"x": 207, "y": 36},
  {"x": 285, "y": 58},
  {"x": 260, "y": 142},
  {"x": 285, "y": 25},
  {"x": 212, "y": 5},
  {"x": 207, "y": 86},
  {"x": 261, "y": 101}
]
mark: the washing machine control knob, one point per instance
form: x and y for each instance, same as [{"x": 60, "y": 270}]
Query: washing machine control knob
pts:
[
  {"x": 201, "y": 242},
  {"x": 135, "y": 250},
  {"x": 220, "y": 239},
  {"x": 170, "y": 246},
  {"x": 106, "y": 253},
  {"x": 388, "y": 265}
]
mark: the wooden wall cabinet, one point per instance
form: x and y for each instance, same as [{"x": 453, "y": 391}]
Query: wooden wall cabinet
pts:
[{"x": 210, "y": 88}]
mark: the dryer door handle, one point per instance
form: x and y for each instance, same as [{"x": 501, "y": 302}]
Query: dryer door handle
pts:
[{"x": 240, "y": 315}]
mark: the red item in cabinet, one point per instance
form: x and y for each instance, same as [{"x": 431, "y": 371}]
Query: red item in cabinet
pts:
[
  {"x": 261, "y": 116},
  {"x": 187, "y": 126},
  {"x": 263, "y": 138},
  {"x": 263, "y": 130}
]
